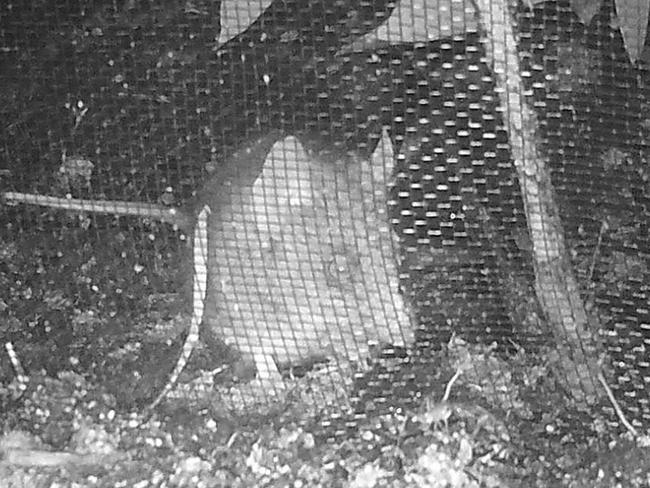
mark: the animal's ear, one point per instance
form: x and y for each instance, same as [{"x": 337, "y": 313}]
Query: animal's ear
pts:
[
  {"x": 383, "y": 155},
  {"x": 382, "y": 167}
]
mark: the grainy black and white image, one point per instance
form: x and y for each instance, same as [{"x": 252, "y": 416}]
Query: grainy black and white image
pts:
[{"x": 324, "y": 243}]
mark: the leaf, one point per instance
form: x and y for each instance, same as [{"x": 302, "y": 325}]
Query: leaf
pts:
[
  {"x": 633, "y": 19},
  {"x": 411, "y": 21},
  {"x": 238, "y": 15},
  {"x": 426, "y": 20}
]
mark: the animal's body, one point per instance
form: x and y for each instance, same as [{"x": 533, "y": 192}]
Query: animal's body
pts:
[{"x": 302, "y": 260}]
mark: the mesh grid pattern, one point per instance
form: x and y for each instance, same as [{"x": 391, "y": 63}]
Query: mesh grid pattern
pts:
[{"x": 366, "y": 207}]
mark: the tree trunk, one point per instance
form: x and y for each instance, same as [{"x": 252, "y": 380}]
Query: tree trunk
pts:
[{"x": 575, "y": 333}]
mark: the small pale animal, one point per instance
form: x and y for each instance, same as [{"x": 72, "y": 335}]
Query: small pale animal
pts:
[{"x": 302, "y": 260}]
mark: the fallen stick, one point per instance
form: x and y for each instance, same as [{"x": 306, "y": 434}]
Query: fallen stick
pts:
[{"x": 154, "y": 211}]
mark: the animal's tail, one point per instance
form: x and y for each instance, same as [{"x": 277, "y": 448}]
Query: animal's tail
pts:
[{"x": 199, "y": 288}]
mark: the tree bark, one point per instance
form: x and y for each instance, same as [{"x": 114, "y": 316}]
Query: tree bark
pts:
[{"x": 575, "y": 333}]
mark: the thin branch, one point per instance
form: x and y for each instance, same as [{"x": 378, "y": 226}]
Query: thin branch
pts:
[
  {"x": 617, "y": 407},
  {"x": 161, "y": 213}
]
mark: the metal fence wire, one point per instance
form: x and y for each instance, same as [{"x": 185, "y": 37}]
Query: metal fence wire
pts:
[{"x": 423, "y": 220}]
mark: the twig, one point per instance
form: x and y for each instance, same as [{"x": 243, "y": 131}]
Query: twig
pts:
[
  {"x": 451, "y": 382},
  {"x": 617, "y": 407},
  {"x": 21, "y": 376},
  {"x": 43, "y": 458},
  {"x": 162, "y": 213},
  {"x": 15, "y": 362},
  {"x": 594, "y": 257},
  {"x": 439, "y": 411}
]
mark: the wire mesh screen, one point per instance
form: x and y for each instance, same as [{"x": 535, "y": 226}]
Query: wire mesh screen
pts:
[{"x": 291, "y": 243}]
